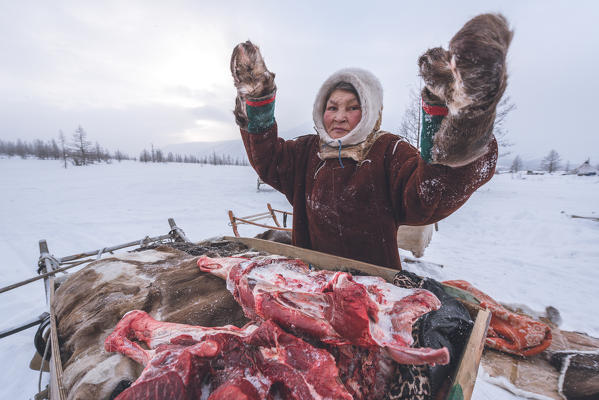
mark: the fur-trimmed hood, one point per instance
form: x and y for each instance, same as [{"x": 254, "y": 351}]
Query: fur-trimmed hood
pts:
[{"x": 370, "y": 92}]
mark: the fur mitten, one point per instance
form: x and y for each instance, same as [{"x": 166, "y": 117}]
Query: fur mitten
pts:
[
  {"x": 469, "y": 79},
  {"x": 255, "y": 87}
]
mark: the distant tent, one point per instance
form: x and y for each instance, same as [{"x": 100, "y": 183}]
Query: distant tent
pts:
[{"x": 585, "y": 169}]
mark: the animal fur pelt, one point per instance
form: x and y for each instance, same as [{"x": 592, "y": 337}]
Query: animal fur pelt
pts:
[
  {"x": 579, "y": 374},
  {"x": 469, "y": 79},
  {"x": 251, "y": 77},
  {"x": 163, "y": 282}
]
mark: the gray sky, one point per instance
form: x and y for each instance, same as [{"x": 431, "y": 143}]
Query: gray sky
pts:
[{"x": 139, "y": 72}]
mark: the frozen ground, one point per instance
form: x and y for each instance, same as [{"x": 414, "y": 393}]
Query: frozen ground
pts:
[{"x": 511, "y": 239}]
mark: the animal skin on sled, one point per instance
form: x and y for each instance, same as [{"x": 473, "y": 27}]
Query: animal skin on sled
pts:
[
  {"x": 333, "y": 307},
  {"x": 509, "y": 332},
  {"x": 252, "y": 363}
]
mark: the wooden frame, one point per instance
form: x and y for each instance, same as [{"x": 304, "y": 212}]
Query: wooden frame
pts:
[
  {"x": 271, "y": 214},
  {"x": 464, "y": 379}
]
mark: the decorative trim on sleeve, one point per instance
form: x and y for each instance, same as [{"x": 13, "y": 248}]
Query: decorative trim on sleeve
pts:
[
  {"x": 261, "y": 113},
  {"x": 432, "y": 116},
  {"x": 432, "y": 109}
]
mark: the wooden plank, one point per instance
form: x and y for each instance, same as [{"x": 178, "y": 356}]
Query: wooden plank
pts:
[
  {"x": 316, "y": 258},
  {"x": 468, "y": 367},
  {"x": 57, "y": 390}
]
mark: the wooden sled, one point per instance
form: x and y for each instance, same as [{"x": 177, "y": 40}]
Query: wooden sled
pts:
[
  {"x": 271, "y": 214},
  {"x": 462, "y": 383}
]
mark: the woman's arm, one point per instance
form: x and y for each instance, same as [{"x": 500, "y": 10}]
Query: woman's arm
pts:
[
  {"x": 423, "y": 193},
  {"x": 458, "y": 152},
  {"x": 273, "y": 158}
]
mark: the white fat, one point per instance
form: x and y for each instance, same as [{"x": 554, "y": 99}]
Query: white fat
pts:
[{"x": 167, "y": 332}]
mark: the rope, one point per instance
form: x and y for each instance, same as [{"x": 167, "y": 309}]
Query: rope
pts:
[
  {"x": 39, "y": 381},
  {"x": 340, "y": 162},
  {"x": 41, "y": 264},
  {"x": 100, "y": 253}
]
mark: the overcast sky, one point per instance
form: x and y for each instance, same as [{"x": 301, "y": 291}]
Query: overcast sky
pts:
[{"x": 134, "y": 73}]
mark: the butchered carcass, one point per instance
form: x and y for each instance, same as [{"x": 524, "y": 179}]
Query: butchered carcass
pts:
[
  {"x": 333, "y": 307},
  {"x": 194, "y": 362}
]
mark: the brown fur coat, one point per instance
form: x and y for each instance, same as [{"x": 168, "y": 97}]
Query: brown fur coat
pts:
[{"x": 354, "y": 211}]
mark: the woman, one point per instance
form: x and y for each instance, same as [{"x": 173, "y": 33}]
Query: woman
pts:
[{"x": 352, "y": 185}]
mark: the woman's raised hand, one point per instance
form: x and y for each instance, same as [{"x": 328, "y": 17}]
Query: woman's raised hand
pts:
[
  {"x": 471, "y": 75},
  {"x": 469, "y": 79},
  {"x": 252, "y": 78}
]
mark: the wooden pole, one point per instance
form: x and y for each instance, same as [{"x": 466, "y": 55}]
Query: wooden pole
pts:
[
  {"x": 468, "y": 368},
  {"x": 273, "y": 215},
  {"x": 177, "y": 230},
  {"x": 43, "y": 276},
  {"x": 57, "y": 390},
  {"x": 233, "y": 223}
]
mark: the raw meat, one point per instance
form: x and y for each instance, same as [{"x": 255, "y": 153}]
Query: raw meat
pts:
[
  {"x": 509, "y": 332},
  {"x": 193, "y": 362},
  {"x": 333, "y": 307}
]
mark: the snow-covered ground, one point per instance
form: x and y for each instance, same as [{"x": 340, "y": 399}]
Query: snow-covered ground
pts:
[{"x": 511, "y": 239}]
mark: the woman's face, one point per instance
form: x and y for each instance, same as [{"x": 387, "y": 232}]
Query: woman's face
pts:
[{"x": 342, "y": 113}]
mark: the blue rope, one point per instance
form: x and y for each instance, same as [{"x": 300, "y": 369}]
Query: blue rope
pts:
[{"x": 340, "y": 162}]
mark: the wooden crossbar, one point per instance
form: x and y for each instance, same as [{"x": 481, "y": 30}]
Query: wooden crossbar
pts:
[{"x": 250, "y": 220}]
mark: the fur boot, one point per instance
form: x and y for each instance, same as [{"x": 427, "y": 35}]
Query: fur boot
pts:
[
  {"x": 469, "y": 79},
  {"x": 251, "y": 77}
]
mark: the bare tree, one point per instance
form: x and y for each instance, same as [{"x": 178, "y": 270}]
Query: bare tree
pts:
[
  {"x": 63, "y": 147},
  {"x": 504, "y": 108},
  {"x": 516, "y": 164},
  {"x": 80, "y": 147},
  {"x": 145, "y": 156},
  {"x": 551, "y": 162},
  {"x": 410, "y": 123},
  {"x": 119, "y": 156}
]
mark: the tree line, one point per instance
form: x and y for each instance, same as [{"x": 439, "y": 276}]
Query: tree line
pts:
[
  {"x": 157, "y": 155},
  {"x": 80, "y": 151},
  {"x": 552, "y": 162}
]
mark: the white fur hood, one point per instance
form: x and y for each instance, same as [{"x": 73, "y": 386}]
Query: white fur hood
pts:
[{"x": 370, "y": 92}]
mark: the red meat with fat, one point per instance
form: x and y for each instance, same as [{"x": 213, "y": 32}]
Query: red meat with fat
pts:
[
  {"x": 333, "y": 307},
  {"x": 253, "y": 362}
]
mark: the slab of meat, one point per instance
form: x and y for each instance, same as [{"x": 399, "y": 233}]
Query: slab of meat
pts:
[
  {"x": 333, "y": 307},
  {"x": 509, "y": 332},
  {"x": 194, "y": 362}
]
